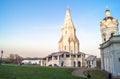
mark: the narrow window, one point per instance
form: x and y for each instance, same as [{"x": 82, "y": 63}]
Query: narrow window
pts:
[
  {"x": 112, "y": 34},
  {"x": 62, "y": 55},
  {"x": 119, "y": 59},
  {"x": 104, "y": 39}
]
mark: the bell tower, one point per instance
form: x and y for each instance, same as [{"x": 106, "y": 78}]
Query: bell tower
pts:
[
  {"x": 108, "y": 26},
  {"x": 68, "y": 41}
]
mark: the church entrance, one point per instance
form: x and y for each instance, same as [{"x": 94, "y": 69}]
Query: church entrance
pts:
[{"x": 79, "y": 64}]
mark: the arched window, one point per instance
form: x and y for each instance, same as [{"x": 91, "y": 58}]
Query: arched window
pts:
[
  {"x": 112, "y": 34},
  {"x": 104, "y": 37},
  {"x": 79, "y": 64}
]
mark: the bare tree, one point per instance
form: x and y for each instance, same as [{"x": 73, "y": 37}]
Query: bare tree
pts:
[{"x": 15, "y": 59}]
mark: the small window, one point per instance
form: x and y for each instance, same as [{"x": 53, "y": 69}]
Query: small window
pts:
[
  {"x": 112, "y": 34},
  {"x": 62, "y": 55},
  {"x": 67, "y": 56},
  {"x": 104, "y": 39},
  {"x": 79, "y": 56},
  {"x": 119, "y": 59},
  {"x": 55, "y": 57}
]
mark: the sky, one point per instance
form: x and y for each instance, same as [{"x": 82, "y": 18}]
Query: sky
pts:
[{"x": 32, "y": 28}]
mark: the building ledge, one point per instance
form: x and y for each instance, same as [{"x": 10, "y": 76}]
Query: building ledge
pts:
[{"x": 113, "y": 39}]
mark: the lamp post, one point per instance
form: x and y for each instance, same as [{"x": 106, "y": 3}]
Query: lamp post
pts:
[{"x": 1, "y": 55}]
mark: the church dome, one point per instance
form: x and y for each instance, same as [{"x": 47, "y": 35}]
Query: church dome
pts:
[{"x": 110, "y": 17}]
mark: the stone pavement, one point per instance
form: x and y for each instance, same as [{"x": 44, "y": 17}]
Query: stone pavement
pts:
[{"x": 79, "y": 72}]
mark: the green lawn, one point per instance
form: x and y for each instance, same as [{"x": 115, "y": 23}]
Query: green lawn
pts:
[{"x": 35, "y": 72}]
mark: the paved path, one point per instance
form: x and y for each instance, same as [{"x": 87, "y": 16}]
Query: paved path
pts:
[{"x": 79, "y": 72}]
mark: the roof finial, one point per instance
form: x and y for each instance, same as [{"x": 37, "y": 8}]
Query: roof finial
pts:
[
  {"x": 107, "y": 7},
  {"x": 68, "y": 11},
  {"x": 68, "y": 6}
]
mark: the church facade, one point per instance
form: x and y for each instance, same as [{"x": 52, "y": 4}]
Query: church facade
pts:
[{"x": 110, "y": 47}]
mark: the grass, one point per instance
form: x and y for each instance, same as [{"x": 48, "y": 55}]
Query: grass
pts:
[
  {"x": 35, "y": 72},
  {"x": 96, "y": 74}
]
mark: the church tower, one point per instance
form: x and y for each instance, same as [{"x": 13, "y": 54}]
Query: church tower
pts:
[
  {"x": 108, "y": 26},
  {"x": 68, "y": 41}
]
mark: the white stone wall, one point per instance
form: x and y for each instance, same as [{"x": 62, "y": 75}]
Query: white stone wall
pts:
[
  {"x": 72, "y": 61},
  {"x": 110, "y": 54}
]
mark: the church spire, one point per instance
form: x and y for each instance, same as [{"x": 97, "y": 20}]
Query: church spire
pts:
[
  {"x": 68, "y": 41},
  {"x": 68, "y": 20}
]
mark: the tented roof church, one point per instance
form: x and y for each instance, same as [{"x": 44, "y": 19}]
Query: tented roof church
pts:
[{"x": 68, "y": 54}]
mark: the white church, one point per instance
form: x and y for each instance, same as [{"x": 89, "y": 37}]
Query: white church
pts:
[
  {"x": 68, "y": 54},
  {"x": 110, "y": 47}
]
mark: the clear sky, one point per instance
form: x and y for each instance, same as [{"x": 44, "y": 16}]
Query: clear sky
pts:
[{"x": 32, "y": 28}]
